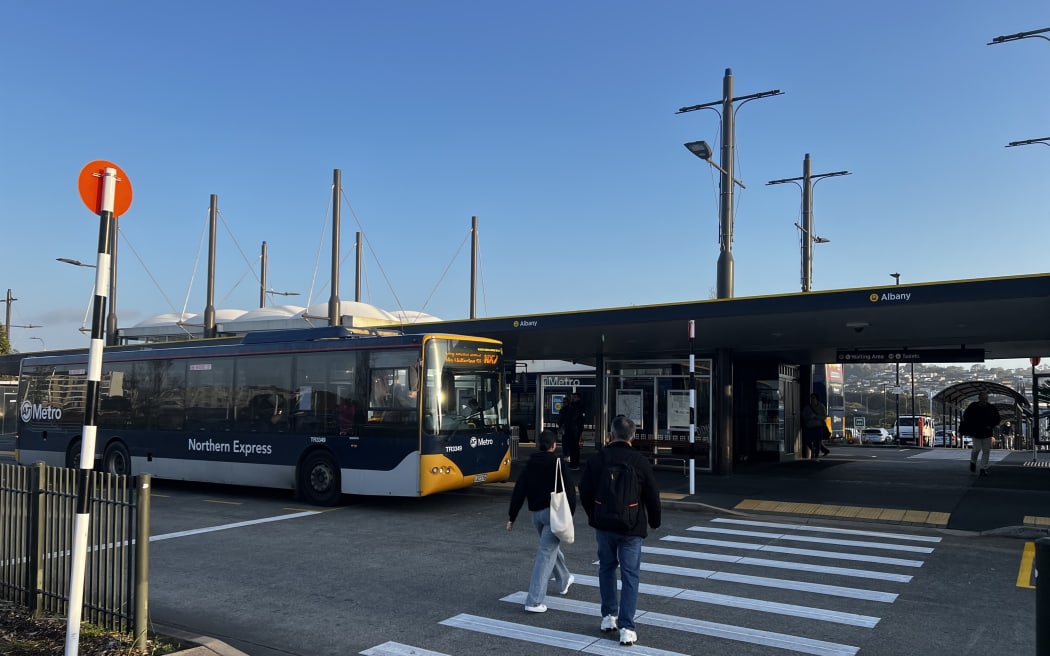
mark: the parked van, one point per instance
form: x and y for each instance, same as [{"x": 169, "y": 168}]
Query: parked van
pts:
[{"x": 915, "y": 429}]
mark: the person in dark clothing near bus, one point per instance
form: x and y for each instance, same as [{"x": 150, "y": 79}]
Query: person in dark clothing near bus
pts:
[
  {"x": 570, "y": 420},
  {"x": 979, "y": 421}
]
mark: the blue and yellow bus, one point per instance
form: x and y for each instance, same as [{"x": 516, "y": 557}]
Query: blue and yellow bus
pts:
[{"x": 320, "y": 411}]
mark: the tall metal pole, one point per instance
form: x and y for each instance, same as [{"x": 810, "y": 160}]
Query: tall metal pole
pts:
[
  {"x": 808, "y": 181},
  {"x": 87, "y": 449},
  {"x": 692, "y": 407},
  {"x": 7, "y": 320},
  {"x": 209, "y": 309},
  {"x": 262, "y": 277},
  {"x": 914, "y": 418},
  {"x": 473, "y": 267},
  {"x": 807, "y": 224},
  {"x": 897, "y": 389},
  {"x": 725, "y": 198},
  {"x": 357, "y": 275},
  {"x": 334, "y": 318},
  {"x": 111, "y": 319}
]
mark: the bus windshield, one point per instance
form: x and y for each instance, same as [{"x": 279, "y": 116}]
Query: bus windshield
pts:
[{"x": 463, "y": 390}]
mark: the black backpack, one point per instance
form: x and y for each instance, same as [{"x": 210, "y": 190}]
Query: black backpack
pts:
[{"x": 618, "y": 497}]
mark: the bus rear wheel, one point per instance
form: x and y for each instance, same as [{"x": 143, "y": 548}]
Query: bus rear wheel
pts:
[
  {"x": 73, "y": 455},
  {"x": 117, "y": 460},
  {"x": 319, "y": 479}
]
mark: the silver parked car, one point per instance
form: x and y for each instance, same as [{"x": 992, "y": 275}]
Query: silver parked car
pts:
[{"x": 876, "y": 436}]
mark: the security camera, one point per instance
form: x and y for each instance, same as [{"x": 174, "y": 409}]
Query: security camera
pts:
[{"x": 857, "y": 326}]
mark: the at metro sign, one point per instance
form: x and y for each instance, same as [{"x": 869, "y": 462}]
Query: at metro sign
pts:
[{"x": 862, "y": 356}]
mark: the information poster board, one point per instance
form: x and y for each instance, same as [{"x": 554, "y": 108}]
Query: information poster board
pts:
[
  {"x": 677, "y": 409},
  {"x": 629, "y": 404},
  {"x": 557, "y": 401}
]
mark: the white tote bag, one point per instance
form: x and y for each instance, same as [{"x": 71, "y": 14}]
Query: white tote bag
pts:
[{"x": 561, "y": 513}]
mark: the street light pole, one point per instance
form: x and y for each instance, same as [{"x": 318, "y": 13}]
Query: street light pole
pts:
[
  {"x": 808, "y": 238},
  {"x": 725, "y": 199}
]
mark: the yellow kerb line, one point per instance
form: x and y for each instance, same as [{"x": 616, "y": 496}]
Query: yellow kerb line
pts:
[{"x": 1024, "y": 572}]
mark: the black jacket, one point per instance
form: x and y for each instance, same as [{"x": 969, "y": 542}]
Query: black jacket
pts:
[
  {"x": 617, "y": 451},
  {"x": 979, "y": 420},
  {"x": 536, "y": 483}
]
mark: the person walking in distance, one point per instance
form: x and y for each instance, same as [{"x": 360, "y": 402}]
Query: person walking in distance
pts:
[
  {"x": 619, "y": 493},
  {"x": 815, "y": 426},
  {"x": 979, "y": 421},
  {"x": 570, "y": 420},
  {"x": 535, "y": 484}
]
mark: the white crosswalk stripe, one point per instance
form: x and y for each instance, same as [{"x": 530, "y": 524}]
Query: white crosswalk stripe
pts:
[{"x": 804, "y": 610}]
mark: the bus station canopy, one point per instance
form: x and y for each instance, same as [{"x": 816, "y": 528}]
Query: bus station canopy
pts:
[
  {"x": 998, "y": 317},
  {"x": 953, "y": 321},
  {"x": 959, "y": 394}
]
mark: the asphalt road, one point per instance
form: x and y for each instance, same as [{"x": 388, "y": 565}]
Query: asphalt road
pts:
[
  {"x": 269, "y": 577},
  {"x": 437, "y": 573}
]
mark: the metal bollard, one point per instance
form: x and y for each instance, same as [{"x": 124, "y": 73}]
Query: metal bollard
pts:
[{"x": 1042, "y": 597}]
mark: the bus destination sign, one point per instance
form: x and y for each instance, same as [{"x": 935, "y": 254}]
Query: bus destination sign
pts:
[{"x": 860, "y": 356}]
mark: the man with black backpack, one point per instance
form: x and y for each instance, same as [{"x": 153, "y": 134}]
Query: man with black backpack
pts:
[{"x": 619, "y": 493}]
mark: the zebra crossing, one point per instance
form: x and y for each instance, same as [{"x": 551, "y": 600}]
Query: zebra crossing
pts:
[{"x": 767, "y": 587}]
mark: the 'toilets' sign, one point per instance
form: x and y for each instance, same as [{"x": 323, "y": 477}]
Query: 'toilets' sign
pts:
[{"x": 859, "y": 356}]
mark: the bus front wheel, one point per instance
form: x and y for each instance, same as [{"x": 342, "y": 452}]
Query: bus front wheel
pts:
[
  {"x": 319, "y": 479},
  {"x": 117, "y": 460}
]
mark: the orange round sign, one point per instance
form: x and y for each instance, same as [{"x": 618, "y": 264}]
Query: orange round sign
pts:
[{"x": 90, "y": 185}]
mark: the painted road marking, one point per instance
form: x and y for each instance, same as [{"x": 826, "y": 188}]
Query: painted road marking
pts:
[
  {"x": 549, "y": 637},
  {"x": 398, "y": 649},
  {"x": 1024, "y": 572},
  {"x": 769, "y": 582},
  {"x": 864, "y": 544},
  {"x": 701, "y": 627},
  {"x": 828, "y": 529},
  {"x": 733, "y": 601},
  {"x": 812, "y": 553},
  {"x": 781, "y": 564},
  {"x": 225, "y": 527}
]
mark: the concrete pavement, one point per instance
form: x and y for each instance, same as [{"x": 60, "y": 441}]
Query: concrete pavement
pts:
[{"x": 897, "y": 485}]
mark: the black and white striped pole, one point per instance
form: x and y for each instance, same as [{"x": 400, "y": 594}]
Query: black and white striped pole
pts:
[
  {"x": 102, "y": 197},
  {"x": 692, "y": 408}
]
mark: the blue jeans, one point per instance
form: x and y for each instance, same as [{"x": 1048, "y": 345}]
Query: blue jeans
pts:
[
  {"x": 623, "y": 551},
  {"x": 549, "y": 558}
]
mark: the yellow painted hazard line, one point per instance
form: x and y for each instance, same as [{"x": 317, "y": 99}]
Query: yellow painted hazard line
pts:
[
  {"x": 1024, "y": 572},
  {"x": 892, "y": 515}
]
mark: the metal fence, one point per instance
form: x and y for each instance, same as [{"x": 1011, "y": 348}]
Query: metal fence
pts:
[{"x": 37, "y": 511}]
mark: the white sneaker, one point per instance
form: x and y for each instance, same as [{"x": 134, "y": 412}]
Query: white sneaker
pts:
[
  {"x": 568, "y": 584},
  {"x": 628, "y": 637},
  {"x": 609, "y": 624},
  {"x": 538, "y": 608}
]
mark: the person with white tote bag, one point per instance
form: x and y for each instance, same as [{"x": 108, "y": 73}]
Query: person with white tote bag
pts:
[{"x": 539, "y": 483}]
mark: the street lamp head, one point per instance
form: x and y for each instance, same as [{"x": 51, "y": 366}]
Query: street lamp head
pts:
[
  {"x": 897, "y": 277},
  {"x": 78, "y": 263},
  {"x": 820, "y": 240},
  {"x": 700, "y": 148}
]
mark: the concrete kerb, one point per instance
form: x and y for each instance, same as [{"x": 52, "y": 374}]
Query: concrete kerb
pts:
[{"x": 201, "y": 645}]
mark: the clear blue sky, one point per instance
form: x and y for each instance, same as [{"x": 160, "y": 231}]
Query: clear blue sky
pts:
[{"x": 553, "y": 122}]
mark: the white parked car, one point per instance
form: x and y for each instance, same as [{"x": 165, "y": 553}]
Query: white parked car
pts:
[{"x": 876, "y": 436}]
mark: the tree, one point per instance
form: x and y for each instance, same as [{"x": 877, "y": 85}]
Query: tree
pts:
[{"x": 5, "y": 343}]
